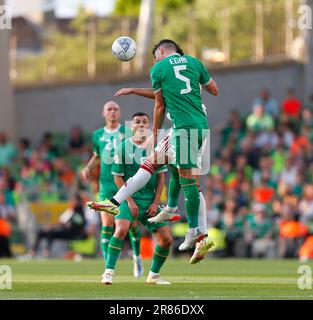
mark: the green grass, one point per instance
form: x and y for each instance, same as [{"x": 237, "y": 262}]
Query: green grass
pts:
[{"x": 211, "y": 279}]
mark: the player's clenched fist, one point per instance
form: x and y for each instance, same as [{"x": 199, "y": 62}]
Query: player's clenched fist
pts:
[
  {"x": 152, "y": 210},
  {"x": 133, "y": 207}
]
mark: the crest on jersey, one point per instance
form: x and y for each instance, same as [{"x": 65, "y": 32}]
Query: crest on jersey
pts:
[{"x": 125, "y": 43}]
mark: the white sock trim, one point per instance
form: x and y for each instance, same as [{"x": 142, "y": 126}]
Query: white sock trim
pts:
[
  {"x": 171, "y": 209},
  {"x": 109, "y": 271},
  {"x": 194, "y": 231}
]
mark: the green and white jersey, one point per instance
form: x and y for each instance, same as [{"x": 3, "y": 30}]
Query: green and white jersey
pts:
[
  {"x": 105, "y": 142},
  {"x": 128, "y": 158},
  {"x": 179, "y": 77}
]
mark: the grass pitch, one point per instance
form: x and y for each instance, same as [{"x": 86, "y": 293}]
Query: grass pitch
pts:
[{"x": 211, "y": 279}]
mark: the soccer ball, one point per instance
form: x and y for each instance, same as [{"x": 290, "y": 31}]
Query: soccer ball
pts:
[{"x": 124, "y": 48}]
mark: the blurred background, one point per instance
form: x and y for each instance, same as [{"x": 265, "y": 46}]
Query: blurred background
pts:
[{"x": 57, "y": 71}]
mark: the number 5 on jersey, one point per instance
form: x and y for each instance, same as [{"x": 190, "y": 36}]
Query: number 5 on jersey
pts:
[{"x": 179, "y": 76}]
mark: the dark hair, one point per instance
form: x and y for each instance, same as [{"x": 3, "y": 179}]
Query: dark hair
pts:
[
  {"x": 25, "y": 142},
  {"x": 168, "y": 44},
  {"x": 140, "y": 114},
  {"x": 47, "y": 135}
]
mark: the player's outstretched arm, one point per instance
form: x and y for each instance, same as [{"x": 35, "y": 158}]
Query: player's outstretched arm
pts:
[
  {"x": 158, "y": 114},
  {"x": 212, "y": 88},
  {"x": 142, "y": 92}
]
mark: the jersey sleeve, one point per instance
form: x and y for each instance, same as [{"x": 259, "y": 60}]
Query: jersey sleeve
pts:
[
  {"x": 162, "y": 169},
  {"x": 155, "y": 79},
  {"x": 205, "y": 77},
  {"x": 95, "y": 143},
  {"x": 118, "y": 166}
]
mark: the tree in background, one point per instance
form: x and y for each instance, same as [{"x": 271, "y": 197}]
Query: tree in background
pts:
[
  {"x": 242, "y": 30},
  {"x": 222, "y": 24}
]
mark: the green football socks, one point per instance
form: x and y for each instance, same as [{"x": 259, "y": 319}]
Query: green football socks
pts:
[
  {"x": 174, "y": 188},
  {"x": 159, "y": 257},
  {"x": 192, "y": 200},
  {"x": 134, "y": 237},
  {"x": 114, "y": 249},
  {"x": 106, "y": 235}
]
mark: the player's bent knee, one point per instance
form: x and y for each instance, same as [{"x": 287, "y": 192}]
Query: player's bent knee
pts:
[
  {"x": 107, "y": 220},
  {"x": 121, "y": 234},
  {"x": 121, "y": 231},
  {"x": 166, "y": 241},
  {"x": 186, "y": 174}
]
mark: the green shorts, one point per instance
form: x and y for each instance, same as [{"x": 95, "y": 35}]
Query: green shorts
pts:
[
  {"x": 106, "y": 193},
  {"x": 142, "y": 216},
  {"x": 186, "y": 146}
]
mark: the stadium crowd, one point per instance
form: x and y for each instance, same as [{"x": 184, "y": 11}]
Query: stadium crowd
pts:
[
  {"x": 260, "y": 187},
  {"x": 259, "y": 191}
]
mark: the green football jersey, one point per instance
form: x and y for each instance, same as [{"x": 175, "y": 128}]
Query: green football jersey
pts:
[
  {"x": 105, "y": 143},
  {"x": 128, "y": 158},
  {"x": 179, "y": 78}
]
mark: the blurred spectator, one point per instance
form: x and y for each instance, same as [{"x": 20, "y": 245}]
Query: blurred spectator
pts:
[
  {"x": 64, "y": 176},
  {"x": 47, "y": 147},
  {"x": 253, "y": 154},
  {"x": 289, "y": 174},
  {"x": 7, "y": 214},
  {"x": 307, "y": 119},
  {"x": 266, "y": 140},
  {"x": 291, "y": 106},
  {"x": 7, "y": 151},
  {"x": 306, "y": 205},
  {"x": 259, "y": 120},
  {"x": 6, "y": 190},
  {"x": 5, "y": 233},
  {"x": 270, "y": 104},
  {"x": 263, "y": 193},
  {"x": 285, "y": 134},
  {"x": 292, "y": 233},
  {"x": 72, "y": 226},
  {"x": 213, "y": 213},
  {"x": 264, "y": 170},
  {"x": 232, "y": 226},
  {"x": 279, "y": 157},
  {"x": 259, "y": 233},
  {"x": 301, "y": 143},
  {"x": 24, "y": 149},
  {"x": 233, "y": 129},
  {"x": 76, "y": 140}
]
